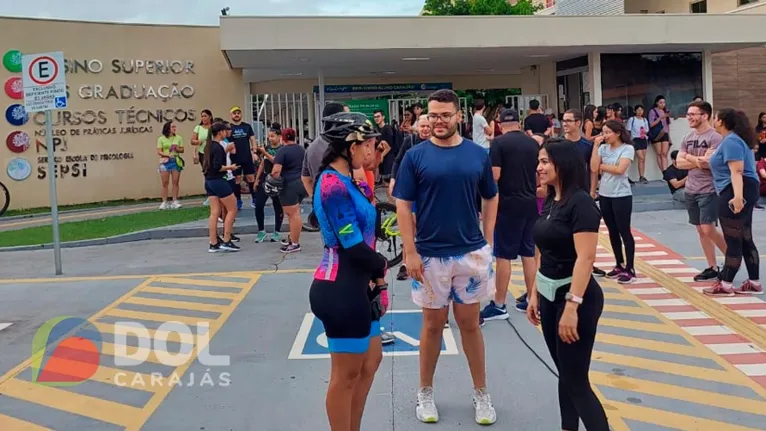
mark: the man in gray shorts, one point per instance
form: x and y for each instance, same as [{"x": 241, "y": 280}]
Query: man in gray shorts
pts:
[{"x": 701, "y": 198}]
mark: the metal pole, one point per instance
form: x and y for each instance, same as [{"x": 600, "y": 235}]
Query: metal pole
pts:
[{"x": 53, "y": 195}]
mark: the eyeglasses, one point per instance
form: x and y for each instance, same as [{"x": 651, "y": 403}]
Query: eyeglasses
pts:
[{"x": 444, "y": 117}]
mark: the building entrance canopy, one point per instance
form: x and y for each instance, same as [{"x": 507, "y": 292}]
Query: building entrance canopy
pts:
[{"x": 282, "y": 48}]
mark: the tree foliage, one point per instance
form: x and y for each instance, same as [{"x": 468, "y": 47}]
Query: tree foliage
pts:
[{"x": 479, "y": 7}]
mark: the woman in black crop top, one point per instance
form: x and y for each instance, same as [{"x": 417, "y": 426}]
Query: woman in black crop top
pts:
[
  {"x": 219, "y": 192},
  {"x": 566, "y": 235}
]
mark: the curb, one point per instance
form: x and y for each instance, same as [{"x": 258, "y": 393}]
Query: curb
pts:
[{"x": 145, "y": 235}]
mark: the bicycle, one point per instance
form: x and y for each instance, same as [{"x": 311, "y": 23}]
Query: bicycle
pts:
[
  {"x": 388, "y": 234},
  {"x": 5, "y": 199}
]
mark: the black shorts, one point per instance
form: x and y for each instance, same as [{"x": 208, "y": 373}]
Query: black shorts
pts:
[
  {"x": 513, "y": 236},
  {"x": 343, "y": 306},
  {"x": 246, "y": 166},
  {"x": 293, "y": 193},
  {"x": 218, "y": 187},
  {"x": 640, "y": 144}
]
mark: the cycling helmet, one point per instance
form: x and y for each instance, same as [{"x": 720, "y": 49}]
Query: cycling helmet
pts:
[
  {"x": 348, "y": 127},
  {"x": 273, "y": 186}
]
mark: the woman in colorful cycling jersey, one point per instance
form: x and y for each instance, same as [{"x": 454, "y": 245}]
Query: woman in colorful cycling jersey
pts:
[{"x": 340, "y": 294}]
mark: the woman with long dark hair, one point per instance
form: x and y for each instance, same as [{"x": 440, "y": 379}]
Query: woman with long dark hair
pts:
[
  {"x": 659, "y": 131},
  {"x": 169, "y": 146},
  {"x": 615, "y": 195},
  {"x": 218, "y": 189},
  {"x": 570, "y": 301},
  {"x": 736, "y": 182},
  {"x": 340, "y": 295},
  {"x": 760, "y": 132}
]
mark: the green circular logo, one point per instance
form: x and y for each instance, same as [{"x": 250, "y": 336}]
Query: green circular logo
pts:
[{"x": 12, "y": 61}]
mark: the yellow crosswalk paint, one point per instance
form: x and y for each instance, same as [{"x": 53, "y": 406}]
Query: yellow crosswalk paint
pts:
[
  {"x": 189, "y": 292},
  {"x": 179, "y": 305},
  {"x": 9, "y": 423}
]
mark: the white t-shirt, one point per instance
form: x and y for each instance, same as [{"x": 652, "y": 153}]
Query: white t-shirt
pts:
[
  {"x": 229, "y": 174},
  {"x": 479, "y": 123}
]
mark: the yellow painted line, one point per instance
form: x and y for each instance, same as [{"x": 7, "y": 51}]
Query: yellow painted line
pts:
[
  {"x": 240, "y": 274},
  {"x": 189, "y": 292},
  {"x": 155, "y": 317},
  {"x": 205, "y": 283},
  {"x": 19, "y": 368},
  {"x": 701, "y": 373},
  {"x": 629, "y": 310},
  {"x": 171, "y": 336},
  {"x": 9, "y": 423},
  {"x": 641, "y": 326},
  {"x": 110, "y": 349},
  {"x": 139, "y": 419},
  {"x": 713, "y": 399},
  {"x": 674, "y": 420},
  {"x": 656, "y": 346},
  {"x": 71, "y": 402},
  {"x": 179, "y": 305}
]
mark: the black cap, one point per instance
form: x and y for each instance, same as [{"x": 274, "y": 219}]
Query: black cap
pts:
[{"x": 509, "y": 116}]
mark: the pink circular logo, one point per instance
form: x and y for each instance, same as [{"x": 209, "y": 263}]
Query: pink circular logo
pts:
[
  {"x": 17, "y": 142},
  {"x": 14, "y": 88}
]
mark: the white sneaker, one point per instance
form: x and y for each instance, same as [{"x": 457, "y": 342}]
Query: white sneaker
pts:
[
  {"x": 485, "y": 411},
  {"x": 164, "y": 205},
  {"x": 426, "y": 409},
  {"x": 175, "y": 205}
]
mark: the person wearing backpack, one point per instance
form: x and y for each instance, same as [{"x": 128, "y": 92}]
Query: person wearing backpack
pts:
[
  {"x": 638, "y": 126},
  {"x": 659, "y": 131}
]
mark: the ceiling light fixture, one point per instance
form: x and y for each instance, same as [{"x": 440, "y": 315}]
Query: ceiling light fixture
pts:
[
  {"x": 385, "y": 72},
  {"x": 538, "y": 55},
  {"x": 485, "y": 70},
  {"x": 303, "y": 59},
  {"x": 292, "y": 74},
  {"x": 415, "y": 58}
]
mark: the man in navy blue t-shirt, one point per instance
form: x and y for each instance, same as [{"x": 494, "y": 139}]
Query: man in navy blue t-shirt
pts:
[{"x": 449, "y": 260}]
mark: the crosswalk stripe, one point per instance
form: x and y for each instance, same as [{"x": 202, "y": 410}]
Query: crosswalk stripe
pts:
[
  {"x": 9, "y": 423},
  {"x": 708, "y": 330},
  {"x": 734, "y": 348},
  {"x": 4, "y": 325}
]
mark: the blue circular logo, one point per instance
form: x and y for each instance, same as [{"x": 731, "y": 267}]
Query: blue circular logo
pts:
[
  {"x": 18, "y": 169},
  {"x": 16, "y": 115}
]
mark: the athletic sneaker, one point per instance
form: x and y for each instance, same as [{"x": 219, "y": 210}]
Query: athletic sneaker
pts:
[
  {"x": 285, "y": 241},
  {"x": 626, "y": 277},
  {"x": 598, "y": 272},
  {"x": 426, "y": 409},
  {"x": 718, "y": 289},
  {"x": 402, "y": 274},
  {"x": 164, "y": 205},
  {"x": 495, "y": 312},
  {"x": 175, "y": 205},
  {"x": 750, "y": 288},
  {"x": 239, "y": 204},
  {"x": 206, "y": 203},
  {"x": 482, "y": 404},
  {"x": 290, "y": 248},
  {"x": 615, "y": 273},
  {"x": 214, "y": 248},
  {"x": 386, "y": 337},
  {"x": 276, "y": 237},
  {"x": 229, "y": 246},
  {"x": 708, "y": 274},
  {"x": 260, "y": 237},
  {"x": 521, "y": 306}
]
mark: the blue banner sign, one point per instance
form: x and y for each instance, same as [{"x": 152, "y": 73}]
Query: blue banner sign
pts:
[{"x": 382, "y": 88}]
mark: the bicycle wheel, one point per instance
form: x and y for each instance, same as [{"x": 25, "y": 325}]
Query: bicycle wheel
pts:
[
  {"x": 387, "y": 231},
  {"x": 5, "y": 199}
]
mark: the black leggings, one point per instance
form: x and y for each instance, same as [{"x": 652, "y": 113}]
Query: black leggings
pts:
[
  {"x": 260, "y": 204},
  {"x": 616, "y": 213},
  {"x": 738, "y": 232},
  {"x": 576, "y": 398}
]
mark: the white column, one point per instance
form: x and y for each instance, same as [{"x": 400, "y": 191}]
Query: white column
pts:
[
  {"x": 248, "y": 111},
  {"x": 594, "y": 77},
  {"x": 707, "y": 76},
  {"x": 321, "y": 103}
]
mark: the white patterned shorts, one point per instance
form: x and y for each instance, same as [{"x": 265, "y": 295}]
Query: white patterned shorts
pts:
[{"x": 466, "y": 279}]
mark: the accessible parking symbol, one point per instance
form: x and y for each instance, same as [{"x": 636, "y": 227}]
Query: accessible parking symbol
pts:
[{"x": 405, "y": 325}]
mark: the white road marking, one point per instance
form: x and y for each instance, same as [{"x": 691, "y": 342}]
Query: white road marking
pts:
[
  {"x": 752, "y": 313},
  {"x": 740, "y": 300},
  {"x": 686, "y": 279},
  {"x": 708, "y": 330},
  {"x": 651, "y": 253},
  {"x": 643, "y": 280},
  {"x": 665, "y": 262},
  {"x": 734, "y": 348},
  {"x": 753, "y": 370},
  {"x": 649, "y": 291},
  {"x": 684, "y": 315},
  {"x": 406, "y": 338},
  {"x": 665, "y": 302},
  {"x": 644, "y": 245},
  {"x": 4, "y": 325},
  {"x": 686, "y": 270}
]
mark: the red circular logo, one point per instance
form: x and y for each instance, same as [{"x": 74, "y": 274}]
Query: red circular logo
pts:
[
  {"x": 18, "y": 142},
  {"x": 14, "y": 88}
]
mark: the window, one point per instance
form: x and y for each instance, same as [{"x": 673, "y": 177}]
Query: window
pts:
[
  {"x": 699, "y": 7},
  {"x": 631, "y": 79}
]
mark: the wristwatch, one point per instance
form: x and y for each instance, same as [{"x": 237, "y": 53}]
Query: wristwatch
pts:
[{"x": 573, "y": 298}]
